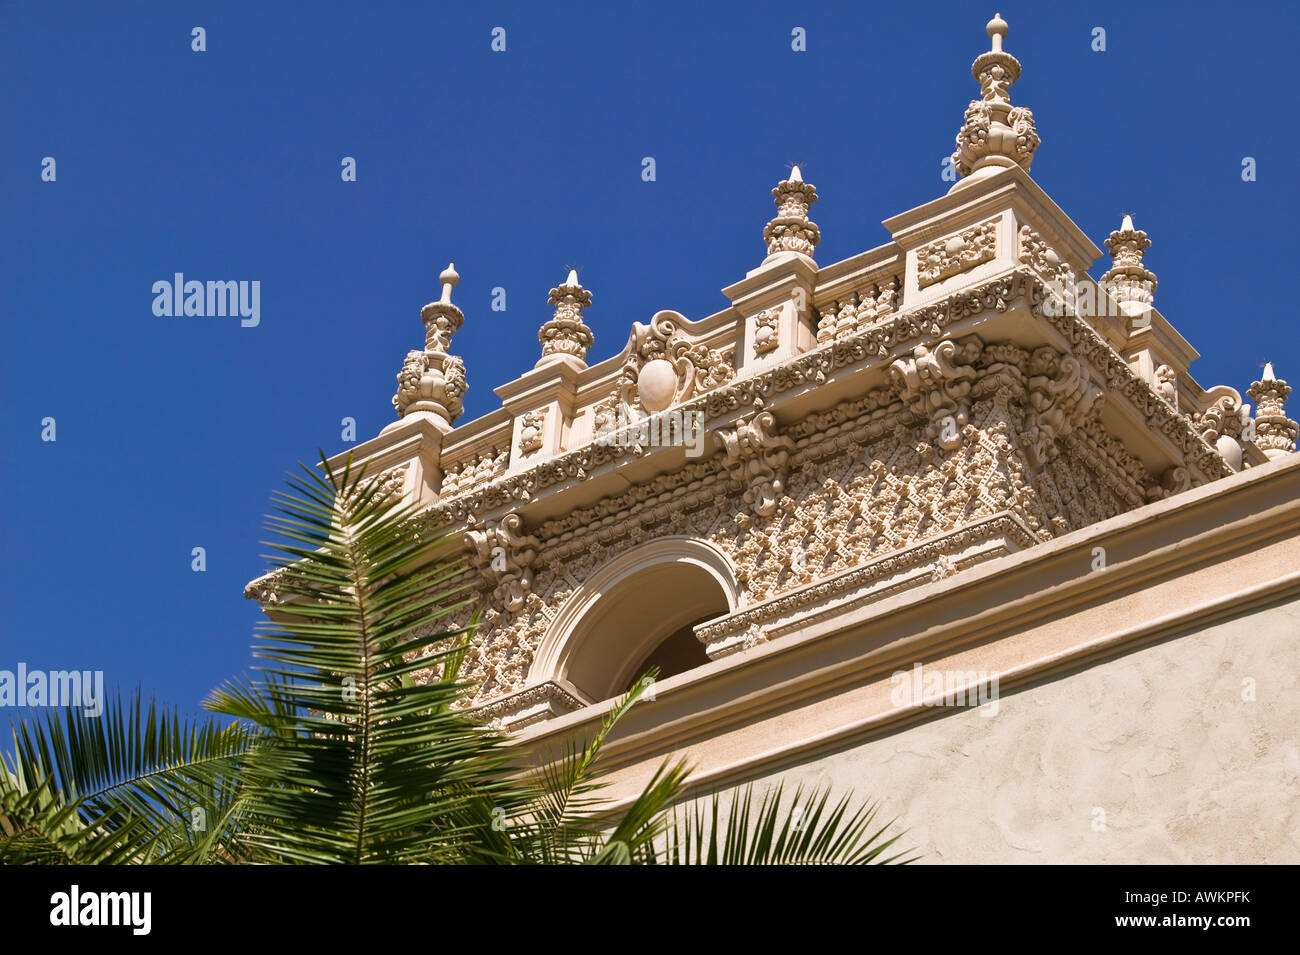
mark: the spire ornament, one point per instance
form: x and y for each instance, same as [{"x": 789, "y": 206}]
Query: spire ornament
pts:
[
  {"x": 792, "y": 230},
  {"x": 566, "y": 334},
  {"x": 1275, "y": 433},
  {"x": 432, "y": 382},
  {"x": 995, "y": 135},
  {"x": 1130, "y": 283}
]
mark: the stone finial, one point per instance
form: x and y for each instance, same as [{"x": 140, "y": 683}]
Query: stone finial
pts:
[
  {"x": 565, "y": 333},
  {"x": 1275, "y": 433},
  {"x": 995, "y": 134},
  {"x": 441, "y": 318},
  {"x": 1131, "y": 284},
  {"x": 432, "y": 382},
  {"x": 792, "y": 230}
]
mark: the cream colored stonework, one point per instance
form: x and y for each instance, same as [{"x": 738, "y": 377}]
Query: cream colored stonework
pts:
[{"x": 943, "y": 418}]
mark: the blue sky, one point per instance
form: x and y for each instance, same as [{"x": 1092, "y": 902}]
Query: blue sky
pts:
[{"x": 173, "y": 432}]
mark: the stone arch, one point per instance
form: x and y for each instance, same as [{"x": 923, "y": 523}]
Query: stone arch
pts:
[{"x": 629, "y": 607}]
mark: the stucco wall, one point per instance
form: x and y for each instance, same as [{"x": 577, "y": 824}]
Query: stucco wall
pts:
[{"x": 1152, "y": 757}]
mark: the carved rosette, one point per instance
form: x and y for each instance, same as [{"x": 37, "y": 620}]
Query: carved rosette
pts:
[
  {"x": 1061, "y": 397},
  {"x": 756, "y": 459},
  {"x": 792, "y": 230},
  {"x": 995, "y": 133},
  {"x": 935, "y": 384},
  {"x": 955, "y": 254},
  {"x": 504, "y": 555},
  {"x": 1275, "y": 433},
  {"x": 566, "y": 333}
]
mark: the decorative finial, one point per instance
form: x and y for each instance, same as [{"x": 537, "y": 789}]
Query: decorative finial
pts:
[
  {"x": 792, "y": 230},
  {"x": 996, "y": 29},
  {"x": 448, "y": 278},
  {"x": 565, "y": 334},
  {"x": 1275, "y": 433},
  {"x": 1131, "y": 284},
  {"x": 995, "y": 135},
  {"x": 432, "y": 383}
]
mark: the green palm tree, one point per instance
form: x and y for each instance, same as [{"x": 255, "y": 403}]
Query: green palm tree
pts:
[{"x": 353, "y": 743}]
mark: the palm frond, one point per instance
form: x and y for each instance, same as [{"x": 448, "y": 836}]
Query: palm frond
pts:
[{"x": 811, "y": 830}]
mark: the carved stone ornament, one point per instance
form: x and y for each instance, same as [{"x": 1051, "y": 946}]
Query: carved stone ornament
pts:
[
  {"x": 392, "y": 483},
  {"x": 666, "y": 368},
  {"x": 792, "y": 230},
  {"x": 504, "y": 555},
  {"x": 1223, "y": 423},
  {"x": 1167, "y": 385},
  {"x": 1275, "y": 433},
  {"x": 858, "y": 310},
  {"x": 935, "y": 384},
  {"x": 530, "y": 430},
  {"x": 566, "y": 333},
  {"x": 995, "y": 133},
  {"x": 1061, "y": 396},
  {"x": 1043, "y": 259},
  {"x": 1130, "y": 283},
  {"x": 765, "y": 331},
  {"x": 955, "y": 254},
  {"x": 756, "y": 458},
  {"x": 433, "y": 381}
]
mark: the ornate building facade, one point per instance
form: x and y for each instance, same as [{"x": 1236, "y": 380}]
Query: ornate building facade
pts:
[{"x": 956, "y": 453}]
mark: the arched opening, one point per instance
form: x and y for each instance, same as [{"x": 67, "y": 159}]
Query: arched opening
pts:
[
  {"x": 679, "y": 652},
  {"x": 636, "y": 612}
]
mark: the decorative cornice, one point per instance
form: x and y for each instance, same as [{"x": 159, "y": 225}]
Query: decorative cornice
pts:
[{"x": 869, "y": 346}]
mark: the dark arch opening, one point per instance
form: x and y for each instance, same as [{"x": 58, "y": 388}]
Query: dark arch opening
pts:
[{"x": 679, "y": 652}]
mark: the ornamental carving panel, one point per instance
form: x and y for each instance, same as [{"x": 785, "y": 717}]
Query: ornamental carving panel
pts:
[
  {"x": 955, "y": 254},
  {"x": 666, "y": 367}
]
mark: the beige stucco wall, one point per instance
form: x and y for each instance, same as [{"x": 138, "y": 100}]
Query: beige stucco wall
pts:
[{"x": 1151, "y": 757}]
